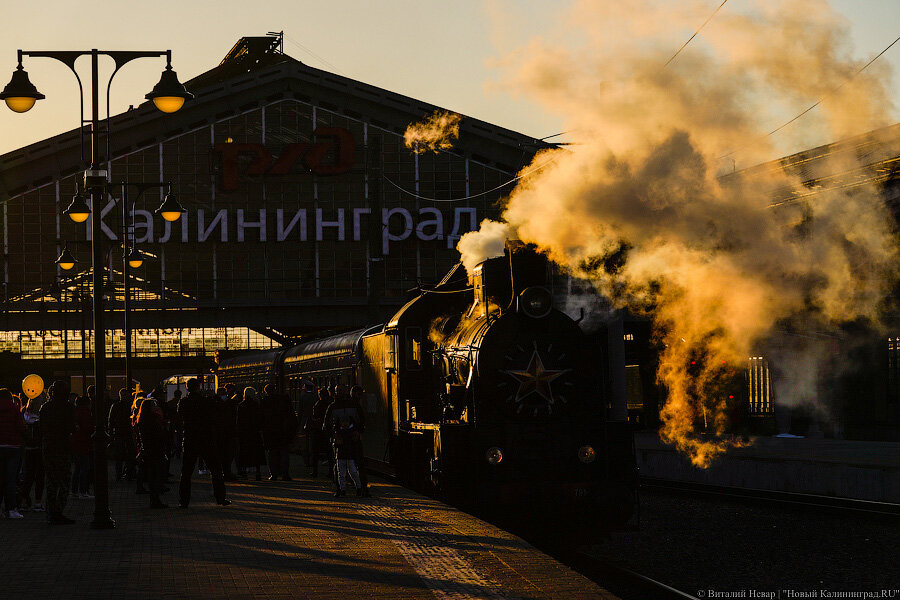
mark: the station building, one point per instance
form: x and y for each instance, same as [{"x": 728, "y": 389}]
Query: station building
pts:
[{"x": 305, "y": 212}]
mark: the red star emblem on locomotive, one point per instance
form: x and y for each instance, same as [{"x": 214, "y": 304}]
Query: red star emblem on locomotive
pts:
[{"x": 536, "y": 379}]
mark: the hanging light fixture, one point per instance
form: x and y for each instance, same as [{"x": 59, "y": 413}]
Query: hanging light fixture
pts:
[
  {"x": 170, "y": 209},
  {"x": 169, "y": 94},
  {"x": 135, "y": 258},
  {"x": 78, "y": 210},
  {"x": 20, "y": 94},
  {"x": 66, "y": 261}
]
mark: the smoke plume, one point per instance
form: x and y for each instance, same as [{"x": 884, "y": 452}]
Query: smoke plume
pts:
[
  {"x": 477, "y": 246},
  {"x": 437, "y": 132},
  {"x": 638, "y": 205}
]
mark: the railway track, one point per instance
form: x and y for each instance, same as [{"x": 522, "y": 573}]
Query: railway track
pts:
[
  {"x": 618, "y": 580},
  {"x": 768, "y": 497}
]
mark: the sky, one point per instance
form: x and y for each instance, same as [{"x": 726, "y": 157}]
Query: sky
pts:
[{"x": 447, "y": 54}]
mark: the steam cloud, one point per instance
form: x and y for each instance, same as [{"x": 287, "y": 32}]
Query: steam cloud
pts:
[
  {"x": 637, "y": 206},
  {"x": 477, "y": 246},
  {"x": 437, "y": 132}
]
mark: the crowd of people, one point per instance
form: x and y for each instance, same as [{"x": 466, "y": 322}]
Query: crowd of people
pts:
[{"x": 46, "y": 442}]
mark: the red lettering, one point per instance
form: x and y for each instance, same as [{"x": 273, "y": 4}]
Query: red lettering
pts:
[
  {"x": 342, "y": 143},
  {"x": 289, "y": 156},
  {"x": 334, "y": 142},
  {"x": 230, "y": 154}
]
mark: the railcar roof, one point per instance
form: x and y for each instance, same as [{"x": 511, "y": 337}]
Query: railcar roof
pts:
[
  {"x": 250, "y": 359},
  {"x": 344, "y": 343}
]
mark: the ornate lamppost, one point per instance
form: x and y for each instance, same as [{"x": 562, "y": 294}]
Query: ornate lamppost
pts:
[
  {"x": 168, "y": 96},
  {"x": 170, "y": 210}
]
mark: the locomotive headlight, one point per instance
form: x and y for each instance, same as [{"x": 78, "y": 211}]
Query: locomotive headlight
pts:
[
  {"x": 587, "y": 454},
  {"x": 494, "y": 455},
  {"x": 535, "y": 302}
]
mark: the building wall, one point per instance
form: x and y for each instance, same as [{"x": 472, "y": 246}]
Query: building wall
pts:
[{"x": 233, "y": 266}]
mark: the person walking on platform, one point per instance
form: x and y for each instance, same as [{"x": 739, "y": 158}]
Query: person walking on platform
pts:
[
  {"x": 171, "y": 413},
  {"x": 197, "y": 413},
  {"x": 140, "y": 477},
  {"x": 226, "y": 430},
  {"x": 118, "y": 424},
  {"x": 279, "y": 426},
  {"x": 81, "y": 446},
  {"x": 308, "y": 399},
  {"x": 32, "y": 457},
  {"x": 12, "y": 438},
  {"x": 58, "y": 422},
  {"x": 345, "y": 439},
  {"x": 348, "y": 406},
  {"x": 249, "y": 429},
  {"x": 152, "y": 427},
  {"x": 315, "y": 419}
]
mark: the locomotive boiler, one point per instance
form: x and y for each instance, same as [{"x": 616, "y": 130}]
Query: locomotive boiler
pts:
[{"x": 481, "y": 391}]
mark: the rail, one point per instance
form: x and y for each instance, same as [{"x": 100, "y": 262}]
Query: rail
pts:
[{"x": 828, "y": 503}]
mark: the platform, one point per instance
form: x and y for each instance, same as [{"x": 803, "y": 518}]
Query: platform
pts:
[
  {"x": 278, "y": 540},
  {"x": 841, "y": 468}
]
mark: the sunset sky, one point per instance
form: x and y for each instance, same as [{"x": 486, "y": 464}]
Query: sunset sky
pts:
[{"x": 443, "y": 53}]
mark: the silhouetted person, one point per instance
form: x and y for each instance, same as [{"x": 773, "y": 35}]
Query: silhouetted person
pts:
[
  {"x": 313, "y": 428},
  {"x": 348, "y": 406},
  {"x": 12, "y": 438},
  {"x": 308, "y": 399},
  {"x": 57, "y": 424},
  {"x": 226, "y": 430},
  {"x": 32, "y": 455},
  {"x": 152, "y": 427},
  {"x": 171, "y": 413},
  {"x": 82, "y": 446},
  {"x": 279, "y": 426},
  {"x": 249, "y": 430},
  {"x": 345, "y": 439},
  {"x": 119, "y": 426},
  {"x": 197, "y": 412}
]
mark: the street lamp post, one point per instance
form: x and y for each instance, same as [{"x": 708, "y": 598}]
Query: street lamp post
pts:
[
  {"x": 171, "y": 211},
  {"x": 168, "y": 95}
]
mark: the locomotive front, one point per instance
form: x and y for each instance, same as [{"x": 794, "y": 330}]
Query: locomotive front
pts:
[{"x": 540, "y": 440}]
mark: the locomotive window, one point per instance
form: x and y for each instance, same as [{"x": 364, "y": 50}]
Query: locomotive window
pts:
[
  {"x": 414, "y": 349},
  {"x": 390, "y": 361}
]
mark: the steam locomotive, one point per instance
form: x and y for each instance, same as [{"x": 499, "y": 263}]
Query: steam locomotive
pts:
[{"x": 480, "y": 392}]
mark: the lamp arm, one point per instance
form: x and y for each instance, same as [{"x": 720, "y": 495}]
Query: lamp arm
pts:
[
  {"x": 121, "y": 59},
  {"x": 68, "y": 59}
]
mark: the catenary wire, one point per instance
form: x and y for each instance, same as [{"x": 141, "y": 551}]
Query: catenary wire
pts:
[
  {"x": 314, "y": 55},
  {"x": 820, "y": 100},
  {"x": 472, "y": 196},
  {"x": 514, "y": 179},
  {"x": 684, "y": 45}
]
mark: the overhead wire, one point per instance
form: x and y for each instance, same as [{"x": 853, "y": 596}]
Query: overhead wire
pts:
[
  {"x": 684, "y": 45},
  {"x": 516, "y": 178},
  {"x": 314, "y": 55},
  {"x": 822, "y": 99},
  {"x": 472, "y": 196}
]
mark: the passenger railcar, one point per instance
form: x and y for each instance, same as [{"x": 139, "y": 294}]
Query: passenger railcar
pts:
[{"x": 483, "y": 392}]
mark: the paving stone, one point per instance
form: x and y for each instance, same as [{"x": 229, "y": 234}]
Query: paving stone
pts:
[{"x": 278, "y": 540}]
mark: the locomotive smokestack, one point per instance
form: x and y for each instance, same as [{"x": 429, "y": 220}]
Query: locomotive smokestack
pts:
[{"x": 499, "y": 281}]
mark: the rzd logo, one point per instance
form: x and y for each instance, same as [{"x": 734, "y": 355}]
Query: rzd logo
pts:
[{"x": 331, "y": 154}]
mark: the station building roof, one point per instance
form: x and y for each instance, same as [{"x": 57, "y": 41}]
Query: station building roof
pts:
[{"x": 252, "y": 74}]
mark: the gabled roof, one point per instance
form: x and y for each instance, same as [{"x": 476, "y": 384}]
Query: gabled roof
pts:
[{"x": 255, "y": 73}]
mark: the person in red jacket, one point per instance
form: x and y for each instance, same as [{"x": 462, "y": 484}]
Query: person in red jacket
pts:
[
  {"x": 12, "y": 437},
  {"x": 81, "y": 446}
]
